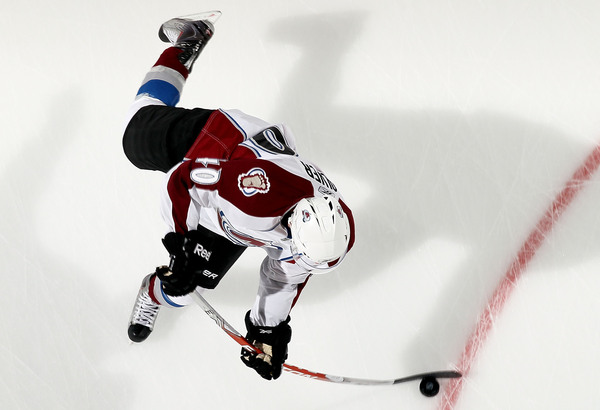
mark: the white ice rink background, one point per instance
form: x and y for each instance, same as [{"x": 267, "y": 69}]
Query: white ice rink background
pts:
[{"x": 449, "y": 126}]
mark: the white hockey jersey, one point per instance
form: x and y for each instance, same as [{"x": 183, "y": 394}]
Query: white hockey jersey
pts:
[{"x": 239, "y": 180}]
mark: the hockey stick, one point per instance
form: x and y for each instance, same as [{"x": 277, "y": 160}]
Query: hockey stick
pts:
[{"x": 241, "y": 340}]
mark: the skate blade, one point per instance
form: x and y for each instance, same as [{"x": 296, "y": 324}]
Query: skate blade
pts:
[{"x": 211, "y": 16}]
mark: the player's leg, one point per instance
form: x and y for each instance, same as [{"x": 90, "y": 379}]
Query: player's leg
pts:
[
  {"x": 213, "y": 261},
  {"x": 157, "y": 134}
]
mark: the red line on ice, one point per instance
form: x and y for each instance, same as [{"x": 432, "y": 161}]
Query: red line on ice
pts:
[{"x": 514, "y": 273}]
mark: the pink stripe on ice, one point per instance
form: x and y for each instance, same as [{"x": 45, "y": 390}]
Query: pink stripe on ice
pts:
[{"x": 514, "y": 273}]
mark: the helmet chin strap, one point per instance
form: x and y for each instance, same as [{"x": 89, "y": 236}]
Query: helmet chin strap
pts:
[{"x": 285, "y": 222}]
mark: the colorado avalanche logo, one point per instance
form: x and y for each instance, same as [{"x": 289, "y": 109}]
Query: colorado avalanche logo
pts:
[
  {"x": 253, "y": 182},
  {"x": 305, "y": 215}
]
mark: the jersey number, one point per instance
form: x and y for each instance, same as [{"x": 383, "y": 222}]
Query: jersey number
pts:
[
  {"x": 209, "y": 174},
  {"x": 273, "y": 141}
]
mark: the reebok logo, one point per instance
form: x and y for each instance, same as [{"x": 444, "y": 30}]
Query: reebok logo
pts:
[
  {"x": 210, "y": 275},
  {"x": 200, "y": 251}
]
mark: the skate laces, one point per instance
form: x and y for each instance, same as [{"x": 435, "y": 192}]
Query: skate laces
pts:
[
  {"x": 188, "y": 50},
  {"x": 145, "y": 310}
]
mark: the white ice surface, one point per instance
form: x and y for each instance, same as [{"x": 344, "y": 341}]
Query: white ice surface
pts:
[{"x": 449, "y": 127}]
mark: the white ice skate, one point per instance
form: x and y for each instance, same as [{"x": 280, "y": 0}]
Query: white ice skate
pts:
[
  {"x": 143, "y": 316},
  {"x": 189, "y": 33}
]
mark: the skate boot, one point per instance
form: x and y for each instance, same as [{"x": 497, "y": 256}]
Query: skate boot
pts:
[
  {"x": 189, "y": 34},
  {"x": 144, "y": 313}
]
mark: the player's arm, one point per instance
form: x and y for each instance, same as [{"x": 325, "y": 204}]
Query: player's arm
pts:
[
  {"x": 268, "y": 320},
  {"x": 181, "y": 200}
]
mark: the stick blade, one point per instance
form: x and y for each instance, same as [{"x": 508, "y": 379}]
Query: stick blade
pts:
[{"x": 442, "y": 374}]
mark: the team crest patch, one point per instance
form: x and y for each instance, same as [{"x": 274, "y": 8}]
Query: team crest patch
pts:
[
  {"x": 305, "y": 215},
  {"x": 253, "y": 182}
]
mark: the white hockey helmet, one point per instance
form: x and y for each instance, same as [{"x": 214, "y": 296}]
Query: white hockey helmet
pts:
[{"x": 320, "y": 232}]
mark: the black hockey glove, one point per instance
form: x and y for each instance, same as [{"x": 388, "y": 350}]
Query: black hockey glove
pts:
[
  {"x": 189, "y": 256},
  {"x": 273, "y": 342}
]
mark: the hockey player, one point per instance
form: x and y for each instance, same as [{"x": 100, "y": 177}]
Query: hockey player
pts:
[{"x": 232, "y": 181}]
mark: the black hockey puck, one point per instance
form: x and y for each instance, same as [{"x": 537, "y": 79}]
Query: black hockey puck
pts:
[{"x": 429, "y": 386}]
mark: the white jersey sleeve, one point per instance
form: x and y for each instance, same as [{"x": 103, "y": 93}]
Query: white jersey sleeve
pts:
[{"x": 279, "y": 287}]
